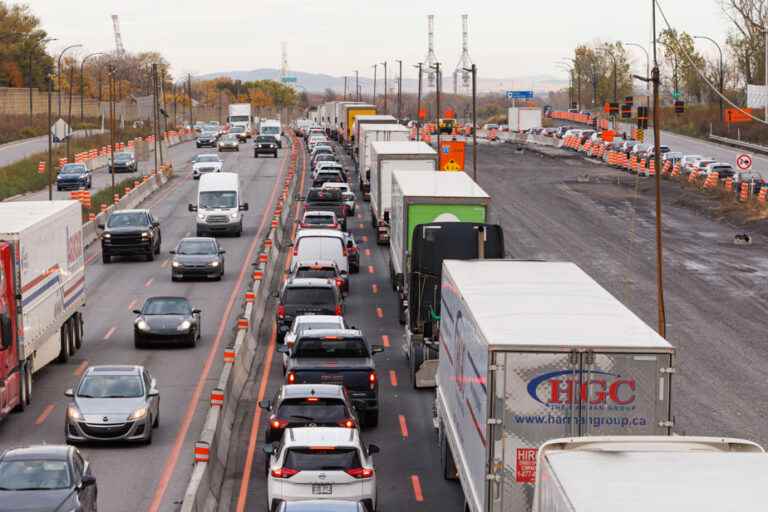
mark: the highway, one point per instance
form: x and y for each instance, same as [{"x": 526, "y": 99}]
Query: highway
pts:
[
  {"x": 409, "y": 474},
  {"x": 154, "y": 477}
]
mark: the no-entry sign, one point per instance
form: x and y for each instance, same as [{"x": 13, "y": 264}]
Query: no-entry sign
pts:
[{"x": 744, "y": 162}]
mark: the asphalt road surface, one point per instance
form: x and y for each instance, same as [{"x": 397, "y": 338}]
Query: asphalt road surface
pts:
[
  {"x": 409, "y": 475},
  {"x": 603, "y": 219},
  {"x": 154, "y": 477},
  {"x": 21, "y": 149}
]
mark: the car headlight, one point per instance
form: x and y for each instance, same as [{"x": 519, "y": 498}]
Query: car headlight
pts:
[
  {"x": 184, "y": 326},
  {"x": 138, "y": 414},
  {"x": 146, "y": 234},
  {"x": 175, "y": 264},
  {"x": 74, "y": 413},
  {"x": 142, "y": 325},
  {"x": 200, "y": 216},
  {"x": 233, "y": 216},
  {"x": 214, "y": 263},
  {"x": 107, "y": 236}
]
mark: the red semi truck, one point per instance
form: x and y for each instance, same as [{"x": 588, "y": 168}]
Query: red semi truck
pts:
[{"x": 42, "y": 292}]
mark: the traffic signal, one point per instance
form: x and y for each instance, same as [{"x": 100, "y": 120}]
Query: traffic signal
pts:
[
  {"x": 626, "y": 111},
  {"x": 574, "y": 105},
  {"x": 679, "y": 107},
  {"x": 613, "y": 108},
  {"x": 642, "y": 117}
]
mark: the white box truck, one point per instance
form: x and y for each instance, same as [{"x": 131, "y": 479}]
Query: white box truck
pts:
[
  {"x": 368, "y": 134},
  {"x": 240, "y": 115},
  {"x": 385, "y": 157},
  {"x": 644, "y": 473},
  {"x": 360, "y": 123},
  {"x": 533, "y": 351},
  {"x": 523, "y": 118},
  {"x": 423, "y": 198},
  {"x": 42, "y": 292}
]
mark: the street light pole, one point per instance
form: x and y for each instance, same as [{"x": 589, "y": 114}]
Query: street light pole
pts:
[
  {"x": 473, "y": 70},
  {"x": 720, "y": 50},
  {"x": 418, "y": 102},
  {"x": 82, "y": 83},
  {"x": 58, "y": 73},
  {"x": 50, "y": 140},
  {"x": 399, "y": 90},
  {"x": 647, "y": 63},
  {"x": 657, "y": 162},
  {"x": 373, "y": 100},
  {"x": 436, "y": 67},
  {"x": 357, "y": 84},
  {"x": 385, "y": 86}
]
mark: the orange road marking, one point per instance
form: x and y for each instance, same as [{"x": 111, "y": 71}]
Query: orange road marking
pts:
[
  {"x": 379, "y": 312},
  {"x": 370, "y": 269},
  {"x": 149, "y": 282},
  {"x": 416, "y": 484},
  {"x": 367, "y": 252},
  {"x": 393, "y": 378},
  {"x": 46, "y": 412},
  {"x": 110, "y": 332},
  {"x": 132, "y": 305},
  {"x": 361, "y": 225},
  {"x": 403, "y": 426},
  {"x": 375, "y": 288},
  {"x": 80, "y": 369},
  {"x": 364, "y": 238},
  {"x": 385, "y": 340}
]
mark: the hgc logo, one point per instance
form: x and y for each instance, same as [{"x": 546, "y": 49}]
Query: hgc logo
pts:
[{"x": 561, "y": 388}]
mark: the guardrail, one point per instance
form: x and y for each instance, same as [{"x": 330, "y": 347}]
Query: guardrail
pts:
[
  {"x": 212, "y": 449},
  {"x": 739, "y": 143}
]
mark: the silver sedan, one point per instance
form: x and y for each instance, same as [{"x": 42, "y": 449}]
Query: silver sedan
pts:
[{"x": 113, "y": 403}]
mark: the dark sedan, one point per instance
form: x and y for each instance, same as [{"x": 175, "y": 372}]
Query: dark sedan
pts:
[
  {"x": 206, "y": 139},
  {"x": 197, "y": 257},
  {"x": 73, "y": 177},
  {"x": 46, "y": 478},
  {"x": 264, "y": 145},
  {"x": 166, "y": 320},
  {"x": 124, "y": 162}
]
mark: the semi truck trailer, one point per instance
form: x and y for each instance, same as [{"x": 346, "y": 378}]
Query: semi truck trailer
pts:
[
  {"x": 371, "y": 133},
  {"x": 532, "y": 351},
  {"x": 360, "y": 123},
  {"x": 42, "y": 292}
]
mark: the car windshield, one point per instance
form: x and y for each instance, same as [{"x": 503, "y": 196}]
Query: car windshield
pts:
[
  {"x": 208, "y": 158},
  {"x": 308, "y": 326},
  {"x": 318, "y": 271},
  {"x": 314, "y": 296},
  {"x": 318, "y": 219},
  {"x": 218, "y": 199},
  {"x": 262, "y": 138},
  {"x": 196, "y": 247},
  {"x": 34, "y": 475},
  {"x": 72, "y": 169},
  {"x": 123, "y": 157},
  {"x": 313, "y": 409},
  {"x": 239, "y": 119},
  {"x": 129, "y": 219},
  {"x": 166, "y": 306},
  {"x": 212, "y": 128},
  {"x": 270, "y": 130},
  {"x": 237, "y": 129},
  {"x": 229, "y": 138},
  {"x": 110, "y": 386},
  {"x": 324, "y": 194},
  {"x": 318, "y": 458},
  {"x": 331, "y": 346},
  {"x": 208, "y": 134}
]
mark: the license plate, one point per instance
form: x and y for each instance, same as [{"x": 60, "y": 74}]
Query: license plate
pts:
[{"x": 322, "y": 488}]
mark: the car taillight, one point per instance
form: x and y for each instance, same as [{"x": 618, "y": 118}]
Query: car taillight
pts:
[
  {"x": 276, "y": 422},
  {"x": 281, "y": 311},
  {"x": 296, "y": 251},
  {"x": 358, "y": 472},
  {"x": 290, "y": 377},
  {"x": 333, "y": 226},
  {"x": 302, "y": 225},
  {"x": 352, "y": 250},
  {"x": 347, "y": 423},
  {"x": 372, "y": 378},
  {"x": 338, "y": 310},
  {"x": 339, "y": 282},
  {"x": 288, "y": 473}
]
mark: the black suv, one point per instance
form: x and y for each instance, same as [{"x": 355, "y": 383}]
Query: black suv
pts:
[
  {"x": 301, "y": 405},
  {"x": 207, "y": 139},
  {"x": 130, "y": 232},
  {"x": 302, "y": 296},
  {"x": 264, "y": 145},
  {"x": 337, "y": 356}
]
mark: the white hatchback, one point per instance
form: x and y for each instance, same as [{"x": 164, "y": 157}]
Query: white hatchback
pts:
[{"x": 313, "y": 463}]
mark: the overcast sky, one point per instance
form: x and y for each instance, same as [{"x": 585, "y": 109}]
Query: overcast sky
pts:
[{"x": 506, "y": 39}]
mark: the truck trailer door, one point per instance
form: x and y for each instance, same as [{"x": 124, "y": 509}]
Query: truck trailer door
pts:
[{"x": 534, "y": 399}]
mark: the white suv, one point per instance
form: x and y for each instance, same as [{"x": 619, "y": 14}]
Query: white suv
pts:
[{"x": 321, "y": 463}]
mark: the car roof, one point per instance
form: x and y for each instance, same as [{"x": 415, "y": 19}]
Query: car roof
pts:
[
  {"x": 209, "y": 154},
  {"x": 114, "y": 369},
  {"x": 338, "y": 332},
  {"x": 135, "y": 210},
  {"x": 320, "y": 390},
  {"x": 320, "y": 212},
  {"x": 320, "y": 318},
  {"x": 319, "y": 233},
  {"x": 165, "y": 297},
  {"x": 48, "y": 451},
  {"x": 312, "y": 263},
  {"x": 309, "y": 282},
  {"x": 319, "y": 436}
]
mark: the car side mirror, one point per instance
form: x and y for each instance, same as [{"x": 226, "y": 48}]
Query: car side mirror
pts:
[
  {"x": 153, "y": 392},
  {"x": 244, "y": 207},
  {"x": 349, "y": 244},
  {"x": 137, "y": 311},
  {"x": 282, "y": 349},
  {"x": 270, "y": 449},
  {"x": 276, "y": 295},
  {"x": 171, "y": 252},
  {"x": 100, "y": 225},
  {"x": 266, "y": 405},
  {"x": 87, "y": 480},
  {"x": 156, "y": 224},
  {"x": 375, "y": 349},
  {"x": 196, "y": 311},
  {"x": 192, "y": 207},
  {"x": 372, "y": 448},
  {"x": 222, "y": 251},
  {"x": 7, "y": 331},
  {"x": 70, "y": 392}
]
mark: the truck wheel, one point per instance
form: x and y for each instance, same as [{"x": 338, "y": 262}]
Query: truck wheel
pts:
[
  {"x": 25, "y": 383},
  {"x": 64, "y": 350},
  {"x": 449, "y": 466},
  {"x": 79, "y": 330},
  {"x": 72, "y": 333}
]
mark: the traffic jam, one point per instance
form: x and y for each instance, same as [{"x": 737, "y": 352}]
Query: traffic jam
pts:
[{"x": 531, "y": 373}]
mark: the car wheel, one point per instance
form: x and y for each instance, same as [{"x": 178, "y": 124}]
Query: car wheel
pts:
[
  {"x": 275, "y": 154},
  {"x": 156, "y": 422},
  {"x": 372, "y": 419},
  {"x": 148, "y": 440},
  {"x": 255, "y": 155},
  {"x": 137, "y": 343},
  {"x": 151, "y": 255},
  {"x": 192, "y": 341},
  {"x": 157, "y": 249},
  {"x": 106, "y": 258},
  {"x": 174, "y": 278}
]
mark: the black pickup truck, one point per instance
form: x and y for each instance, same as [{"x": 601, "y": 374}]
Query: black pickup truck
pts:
[
  {"x": 328, "y": 200},
  {"x": 337, "y": 356}
]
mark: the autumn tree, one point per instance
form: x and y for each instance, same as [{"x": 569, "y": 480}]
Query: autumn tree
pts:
[{"x": 22, "y": 47}]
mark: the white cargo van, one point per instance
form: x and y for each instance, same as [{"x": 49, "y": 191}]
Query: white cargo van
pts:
[
  {"x": 272, "y": 128},
  {"x": 321, "y": 244},
  {"x": 219, "y": 204}
]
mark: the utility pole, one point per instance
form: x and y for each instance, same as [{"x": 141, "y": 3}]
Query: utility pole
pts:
[
  {"x": 473, "y": 70},
  {"x": 112, "y": 107},
  {"x": 385, "y": 86},
  {"x": 50, "y": 139},
  {"x": 657, "y": 175},
  {"x": 418, "y": 103},
  {"x": 438, "y": 85},
  {"x": 357, "y": 84},
  {"x": 158, "y": 143},
  {"x": 373, "y": 100},
  {"x": 400, "y": 90},
  {"x": 69, "y": 115},
  {"x": 345, "y": 88},
  {"x": 189, "y": 94}
]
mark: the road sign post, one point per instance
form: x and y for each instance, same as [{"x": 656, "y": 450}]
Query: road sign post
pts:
[
  {"x": 744, "y": 162},
  {"x": 520, "y": 95}
]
